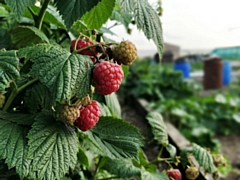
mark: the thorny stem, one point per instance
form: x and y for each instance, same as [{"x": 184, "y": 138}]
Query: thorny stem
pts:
[
  {"x": 15, "y": 92},
  {"x": 41, "y": 14}
]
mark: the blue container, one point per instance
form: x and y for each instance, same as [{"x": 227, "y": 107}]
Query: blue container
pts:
[
  {"x": 227, "y": 72},
  {"x": 184, "y": 67}
]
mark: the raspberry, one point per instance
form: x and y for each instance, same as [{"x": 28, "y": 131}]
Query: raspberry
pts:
[
  {"x": 81, "y": 43},
  {"x": 218, "y": 160},
  {"x": 174, "y": 174},
  {"x": 89, "y": 116},
  {"x": 68, "y": 114},
  {"x": 107, "y": 77},
  {"x": 125, "y": 53},
  {"x": 192, "y": 173}
]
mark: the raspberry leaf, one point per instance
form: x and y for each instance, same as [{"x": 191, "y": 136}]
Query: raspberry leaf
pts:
[
  {"x": 158, "y": 127},
  {"x": 19, "y": 118},
  {"x": 105, "y": 110},
  {"x": 121, "y": 17},
  {"x": 65, "y": 74},
  {"x": 13, "y": 145},
  {"x": 203, "y": 157},
  {"x": 53, "y": 147},
  {"x": 18, "y": 7},
  {"x": 51, "y": 16},
  {"x": 115, "y": 138},
  {"x": 123, "y": 168},
  {"x": 153, "y": 175},
  {"x": 26, "y": 35},
  {"x": 113, "y": 104},
  {"x": 36, "y": 98},
  {"x": 71, "y": 10},
  {"x": 83, "y": 158},
  {"x": 172, "y": 151},
  {"x": 99, "y": 14},
  {"x": 9, "y": 65},
  {"x": 146, "y": 19}
]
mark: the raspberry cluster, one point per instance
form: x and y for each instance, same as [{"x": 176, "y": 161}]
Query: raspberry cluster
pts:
[{"x": 107, "y": 73}]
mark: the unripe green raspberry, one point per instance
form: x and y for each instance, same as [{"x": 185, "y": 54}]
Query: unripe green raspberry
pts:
[
  {"x": 68, "y": 114},
  {"x": 125, "y": 53},
  {"x": 192, "y": 173}
]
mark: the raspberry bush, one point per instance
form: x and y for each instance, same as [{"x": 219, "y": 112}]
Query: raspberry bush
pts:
[{"x": 60, "y": 117}]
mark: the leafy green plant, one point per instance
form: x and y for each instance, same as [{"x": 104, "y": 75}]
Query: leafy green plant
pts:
[
  {"x": 44, "y": 84},
  {"x": 39, "y": 74},
  {"x": 155, "y": 82}
]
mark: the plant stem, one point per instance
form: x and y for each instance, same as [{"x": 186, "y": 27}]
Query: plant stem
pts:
[
  {"x": 15, "y": 92},
  {"x": 160, "y": 152},
  {"x": 84, "y": 48},
  {"x": 41, "y": 14}
]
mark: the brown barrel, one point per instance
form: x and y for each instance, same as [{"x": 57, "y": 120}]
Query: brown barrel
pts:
[{"x": 212, "y": 78}]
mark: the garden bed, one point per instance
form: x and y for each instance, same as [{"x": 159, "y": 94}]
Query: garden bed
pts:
[{"x": 135, "y": 111}]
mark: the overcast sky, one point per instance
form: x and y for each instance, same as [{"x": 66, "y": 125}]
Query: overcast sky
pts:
[{"x": 194, "y": 24}]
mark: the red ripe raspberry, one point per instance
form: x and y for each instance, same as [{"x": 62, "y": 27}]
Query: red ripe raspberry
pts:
[
  {"x": 107, "y": 77},
  {"x": 81, "y": 43},
  {"x": 89, "y": 116},
  {"x": 174, "y": 174}
]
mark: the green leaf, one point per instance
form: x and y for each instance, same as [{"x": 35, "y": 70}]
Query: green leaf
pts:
[
  {"x": 105, "y": 111},
  {"x": 36, "y": 98},
  {"x": 116, "y": 138},
  {"x": 184, "y": 157},
  {"x": 27, "y": 35},
  {"x": 53, "y": 147},
  {"x": 158, "y": 127},
  {"x": 203, "y": 157},
  {"x": 82, "y": 157},
  {"x": 153, "y": 175},
  {"x": 71, "y": 10},
  {"x": 3, "y": 11},
  {"x": 5, "y": 37},
  {"x": 113, "y": 103},
  {"x": 18, "y": 7},
  {"x": 98, "y": 15},
  {"x": 65, "y": 74},
  {"x": 123, "y": 168},
  {"x": 80, "y": 26},
  {"x": 172, "y": 151},
  {"x": 13, "y": 146},
  {"x": 51, "y": 16},
  {"x": 146, "y": 19},
  {"x": 220, "y": 98},
  {"x": 236, "y": 117},
  {"x": 9, "y": 65},
  {"x": 19, "y": 118},
  {"x": 121, "y": 17}
]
